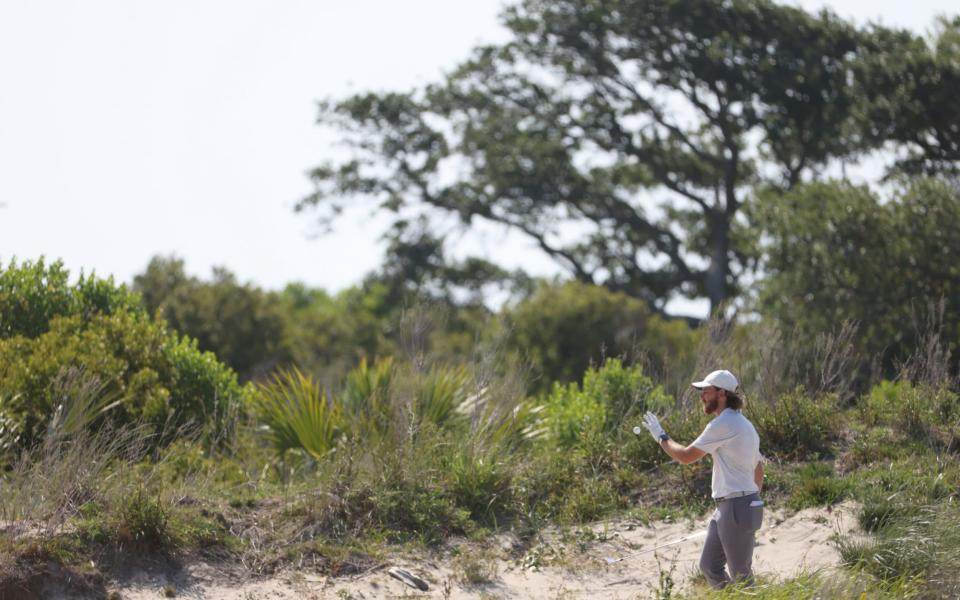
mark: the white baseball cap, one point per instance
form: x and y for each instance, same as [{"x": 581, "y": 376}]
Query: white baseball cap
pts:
[{"x": 722, "y": 379}]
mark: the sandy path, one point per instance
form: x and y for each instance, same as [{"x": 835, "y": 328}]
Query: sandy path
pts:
[{"x": 787, "y": 546}]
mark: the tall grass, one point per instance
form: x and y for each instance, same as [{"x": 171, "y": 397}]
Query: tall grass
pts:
[
  {"x": 825, "y": 585},
  {"x": 921, "y": 544}
]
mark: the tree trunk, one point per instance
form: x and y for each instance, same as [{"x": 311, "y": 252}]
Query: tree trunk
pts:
[{"x": 715, "y": 282}]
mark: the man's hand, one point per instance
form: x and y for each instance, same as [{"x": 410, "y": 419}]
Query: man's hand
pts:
[{"x": 652, "y": 423}]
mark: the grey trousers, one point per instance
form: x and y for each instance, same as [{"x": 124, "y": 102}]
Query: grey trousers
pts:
[{"x": 730, "y": 540}]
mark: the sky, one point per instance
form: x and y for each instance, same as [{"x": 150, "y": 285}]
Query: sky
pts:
[{"x": 131, "y": 129}]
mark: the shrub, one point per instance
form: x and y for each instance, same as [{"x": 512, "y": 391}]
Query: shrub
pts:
[
  {"x": 883, "y": 401},
  {"x": 795, "y": 426},
  {"x": 158, "y": 377},
  {"x": 33, "y": 293},
  {"x": 439, "y": 393},
  {"x": 143, "y": 520},
  {"x": 924, "y": 412},
  {"x": 564, "y": 329},
  {"x": 480, "y": 481},
  {"x": 610, "y": 399},
  {"x": 365, "y": 398},
  {"x": 816, "y": 485},
  {"x": 872, "y": 447}
]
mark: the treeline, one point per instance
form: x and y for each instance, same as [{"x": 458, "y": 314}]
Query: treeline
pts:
[
  {"x": 845, "y": 273},
  {"x": 833, "y": 258},
  {"x": 555, "y": 329}
]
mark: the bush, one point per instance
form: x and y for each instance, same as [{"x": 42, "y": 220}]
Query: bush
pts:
[
  {"x": 564, "y": 329},
  {"x": 816, "y": 485},
  {"x": 143, "y": 521},
  {"x": 480, "y": 482},
  {"x": 159, "y": 378},
  {"x": 795, "y": 426},
  {"x": 827, "y": 250},
  {"x": 924, "y": 412},
  {"x": 873, "y": 446},
  {"x": 32, "y": 294},
  {"x": 611, "y": 398},
  {"x": 298, "y": 415}
]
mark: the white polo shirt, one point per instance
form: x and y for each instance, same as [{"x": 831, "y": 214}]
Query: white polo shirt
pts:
[{"x": 734, "y": 445}]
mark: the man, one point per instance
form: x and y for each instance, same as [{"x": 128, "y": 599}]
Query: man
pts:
[{"x": 734, "y": 446}]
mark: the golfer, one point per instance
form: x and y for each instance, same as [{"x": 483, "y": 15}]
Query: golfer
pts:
[{"x": 731, "y": 440}]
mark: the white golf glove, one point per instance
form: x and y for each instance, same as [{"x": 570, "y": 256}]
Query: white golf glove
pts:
[{"x": 652, "y": 423}]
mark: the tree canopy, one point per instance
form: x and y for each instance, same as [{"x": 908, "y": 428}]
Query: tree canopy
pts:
[
  {"x": 834, "y": 252},
  {"x": 622, "y": 136}
]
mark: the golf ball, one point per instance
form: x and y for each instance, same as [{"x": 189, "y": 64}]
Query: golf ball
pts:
[{"x": 636, "y": 429}]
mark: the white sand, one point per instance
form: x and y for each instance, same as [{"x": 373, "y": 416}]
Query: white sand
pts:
[{"x": 577, "y": 568}]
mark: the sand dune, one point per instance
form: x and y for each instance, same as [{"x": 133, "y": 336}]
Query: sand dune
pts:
[{"x": 575, "y": 565}]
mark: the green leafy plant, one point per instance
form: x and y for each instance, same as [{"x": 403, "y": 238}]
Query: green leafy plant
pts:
[
  {"x": 34, "y": 293},
  {"x": 365, "y": 396},
  {"x": 297, "y": 414},
  {"x": 143, "y": 520},
  {"x": 816, "y": 484},
  {"x": 610, "y": 398},
  {"x": 440, "y": 393},
  {"x": 795, "y": 426}
]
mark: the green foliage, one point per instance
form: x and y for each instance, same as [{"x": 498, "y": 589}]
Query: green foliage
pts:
[
  {"x": 331, "y": 334},
  {"x": 480, "y": 481},
  {"x": 874, "y": 446},
  {"x": 241, "y": 324},
  {"x": 563, "y": 330},
  {"x": 610, "y": 398},
  {"x": 142, "y": 371},
  {"x": 795, "y": 426},
  {"x": 365, "y": 398},
  {"x": 531, "y": 142},
  {"x": 922, "y": 412},
  {"x": 144, "y": 521},
  {"x": 884, "y": 401},
  {"x": 922, "y": 543},
  {"x": 828, "y": 255},
  {"x": 880, "y": 511},
  {"x": 297, "y": 414},
  {"x": 439, "y": 393},
  {"x": 159, "y": 378},
  {"x": 33, "y": 293},
  {"x": 820, "y": 584},
  {"x": 908, "y": 85},
  {"x": 816, "y": 484},
  {"x": 82, "y": 400}
]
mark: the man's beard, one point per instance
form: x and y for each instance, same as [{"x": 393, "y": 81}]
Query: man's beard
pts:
[{"x": 709, "y": 406}]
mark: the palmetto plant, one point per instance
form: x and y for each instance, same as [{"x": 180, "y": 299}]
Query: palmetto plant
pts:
[
  {"x": 440, "y": 393},
  {"x": 365, "y": 398},
  {"x": 297, "y": 415}
]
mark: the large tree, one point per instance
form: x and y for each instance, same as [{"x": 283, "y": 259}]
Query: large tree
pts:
[
  {"x": 910, "y": 86},
  {"x": 834, "y": 253},
  {"x": 621, "y": 135}
]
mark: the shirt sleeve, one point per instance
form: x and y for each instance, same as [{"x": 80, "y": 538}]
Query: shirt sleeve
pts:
[{"x": 714, "y": 436}]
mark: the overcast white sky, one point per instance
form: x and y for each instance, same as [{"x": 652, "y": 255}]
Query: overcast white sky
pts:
[{"x": 131, "y": 128}]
